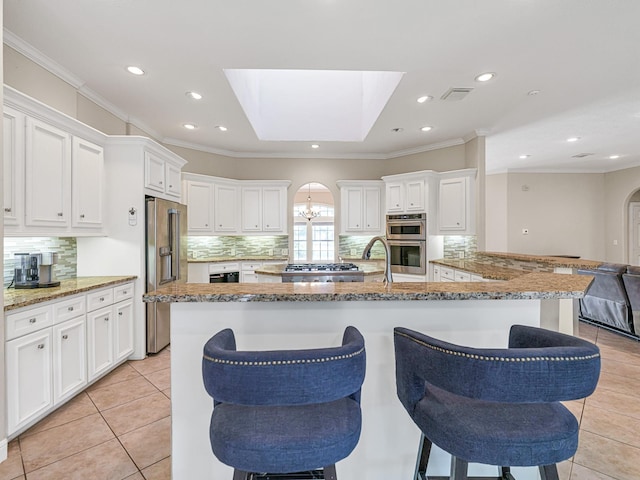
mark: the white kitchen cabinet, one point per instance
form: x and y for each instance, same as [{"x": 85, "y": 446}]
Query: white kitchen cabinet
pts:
[
  {"x": 199, "y": 200},
  {"x": 461, "y": 276},
  {"x": 69, "y": 358},
  {"x": 411, "y": 193},
  {"x": 361, "y": 207},
  {"x": 263, "y": 207},
  {"x": 13, "y": 166},
  {"x": 47, "y": 175},
  {"x": 28, "y": 378},
  {"x": 447, "y": 274},
  {"x": 87, "y": 180},
  {"x": 436, "y": 272},
  {"x": 248, "y": 274},
  {"x": 123, "y": 335},
  {"x": 456, "y": 215},
  {"x": 162, "y": 176},
  {"x": 225, "y": 205},
  {"x": 100, "y": 346}
]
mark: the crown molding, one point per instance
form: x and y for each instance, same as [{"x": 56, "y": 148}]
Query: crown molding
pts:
[
  {"x": 22, "y": 47},
  {"x": 425, "y": 148}
]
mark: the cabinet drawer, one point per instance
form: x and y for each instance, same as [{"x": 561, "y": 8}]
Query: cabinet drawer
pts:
[
  {"x": 224, "y": 267},
  {"x": 250, "y": 266},
  {"x": 447, "y": 274},
  {"x": 31, "y": 320},
  {"x": 122, "y": 292},
  {"x": 99, "y": 299},
  {"x": 462, "y": 276},
  {"x": 68, "y": 309}
]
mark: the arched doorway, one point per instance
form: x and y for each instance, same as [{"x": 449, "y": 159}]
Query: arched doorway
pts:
[
  {"x": 634, "y": 228},
  {"x": 313, "y": 224}
]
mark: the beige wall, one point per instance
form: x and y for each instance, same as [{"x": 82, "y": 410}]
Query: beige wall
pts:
[
  {"x": 92, "y": 114},
  {"x": 496, "y": 214},
  {"x": 564, "y": 214},
  {"x": 620, "y": 186}
]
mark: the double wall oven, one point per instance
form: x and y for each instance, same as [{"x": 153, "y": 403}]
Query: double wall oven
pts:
[{"x": 407, "y": 239}]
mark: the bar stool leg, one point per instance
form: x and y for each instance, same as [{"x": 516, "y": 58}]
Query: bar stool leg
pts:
[
  {"x": 423, "y": 458},
  {"x": 459, "y": 469},
  {"x": 240, "y": 475},
  {"x": 549, "y": 472}
]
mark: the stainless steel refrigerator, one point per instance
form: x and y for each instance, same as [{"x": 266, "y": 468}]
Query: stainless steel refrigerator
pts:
[{"x": 166, "y": 263}]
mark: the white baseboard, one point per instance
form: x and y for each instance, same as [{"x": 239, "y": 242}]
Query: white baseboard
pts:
[{"x": 3, "y": 449}]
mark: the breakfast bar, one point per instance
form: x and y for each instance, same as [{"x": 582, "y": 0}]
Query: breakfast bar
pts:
[{"x": 308, "y": 315}]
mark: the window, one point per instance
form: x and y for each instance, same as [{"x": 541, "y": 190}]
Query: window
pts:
[{"x": 313, "y": 240}]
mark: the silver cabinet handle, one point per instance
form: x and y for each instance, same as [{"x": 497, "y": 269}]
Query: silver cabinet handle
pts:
[
  {"x": 124, "y": 292},
  {"x": 41, "y": 346},
  {"x": 60, "y": 214},
  {"x": 102, "y": 299},
  {"x": 32, "y": 320},
  {"x": 70, "y": 309},
  {"x": 160, "y": 182},
  {"x": 65, "y": 336},
  {"x": 7, "y": 210},
  {"x": 82, "y": 215},
  {"x": 120, "y": 313}
]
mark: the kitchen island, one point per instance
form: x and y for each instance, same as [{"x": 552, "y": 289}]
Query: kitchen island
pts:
[{"x": 305, "y": 315}]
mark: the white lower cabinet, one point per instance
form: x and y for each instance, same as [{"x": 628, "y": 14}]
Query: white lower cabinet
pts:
[
  {"x": 29, "y": 371},
  {"x": 69, "y": 358},
  {"x": 55, "y": 349}
]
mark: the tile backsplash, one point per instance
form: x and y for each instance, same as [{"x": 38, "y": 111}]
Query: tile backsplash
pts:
[
  {"x": 460, "y": 246},
  {"x": 237, "y": 246},
  {"x": 66, "y": 248},
  {"x": 351, "y": 246}
]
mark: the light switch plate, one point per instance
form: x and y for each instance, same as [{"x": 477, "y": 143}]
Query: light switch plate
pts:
[{"x": 285, "y": 252}]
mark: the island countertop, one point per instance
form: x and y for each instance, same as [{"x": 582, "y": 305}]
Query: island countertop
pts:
[
  {"x": 19, "y": 298},
  {"x": 527, "y": 286}
]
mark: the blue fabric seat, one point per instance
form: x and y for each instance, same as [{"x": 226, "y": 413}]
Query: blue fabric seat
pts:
[
  {"x": 284, "y": 411},
  {"x": 496, "y": 406}
]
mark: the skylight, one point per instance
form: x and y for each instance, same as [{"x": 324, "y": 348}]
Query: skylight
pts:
[{"x": 312, "y": 105}]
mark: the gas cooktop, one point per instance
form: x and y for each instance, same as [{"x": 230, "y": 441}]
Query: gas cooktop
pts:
[
  {"x": 321, "y": 267},
  {"x": 322, "y": 272}
]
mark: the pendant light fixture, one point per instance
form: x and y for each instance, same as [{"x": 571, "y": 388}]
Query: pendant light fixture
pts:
[{"x": 308, "y": 213}]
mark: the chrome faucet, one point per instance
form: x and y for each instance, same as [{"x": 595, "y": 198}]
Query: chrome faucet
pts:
[{"x": 366, "y": 255}]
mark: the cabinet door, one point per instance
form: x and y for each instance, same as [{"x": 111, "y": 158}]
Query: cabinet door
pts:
[
  {"x": 99, "y": 342},
  {"x": 172, "y": 176},
  {"x": 395, "y": 197},
  {"x": 48, "y": 175},
  {"x": 225, "y": 204},
  {"x": 123, "y": 315},
  {"x": 353, "y": 209},
  {"x": 69, "y": 358},
  {"x": 200, "y": 203},
  {"x": 87, "y": 166},
  {"x": 13, "y": 166},
  {"x": 154, "y": 172},
  {"x": 274, "y": 209},
  {"x": 252, "y": 209},
  {"x": 372, "y": 209},
  {"x": 415, "y": 195},
  {"x": 28, "y": 378},
  {"x": 452, "y": 201}
]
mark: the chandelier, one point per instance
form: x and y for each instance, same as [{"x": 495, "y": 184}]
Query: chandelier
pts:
[{"x": 308, "y": 213}]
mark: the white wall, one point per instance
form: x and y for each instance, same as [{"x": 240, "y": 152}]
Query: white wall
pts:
[
  {"x": 496, "y": 213},
  {"x": 619, "y": 188}
]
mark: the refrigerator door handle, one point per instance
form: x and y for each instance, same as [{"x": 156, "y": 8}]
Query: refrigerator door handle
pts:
[
  {"x": 165, "y": 265},
  {"x": 174, "y": 242}
]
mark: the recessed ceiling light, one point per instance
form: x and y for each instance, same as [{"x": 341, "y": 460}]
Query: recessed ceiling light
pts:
[
  {"x": 522, "y": 157},
  {"x": 315, "y": 145},
  {"x": 485, "y": 77},
  {"x": 573, "y": 139},
  {"x": 194, "y": 95},
  {"x": 425, "y": 98},
  {"x": 190, "y": 126},
  {"x": 426, "y": 128},
  {"x": 613, "y": 157},
  {"x": 135, "y": 70},
  {"x": 533, "y": 93},
  {"x": 222, "y": 128}
]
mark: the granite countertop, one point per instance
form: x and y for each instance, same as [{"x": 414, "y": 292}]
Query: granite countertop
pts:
[
  {"x": 250, "y": 258},
  {"x": 14, "y": 299},
  {"x": 552, "y": 261},
  {"x": 491, "y": 272},
  {"x": 369, "y": 268},
  {"x": 527, "y": 286}
]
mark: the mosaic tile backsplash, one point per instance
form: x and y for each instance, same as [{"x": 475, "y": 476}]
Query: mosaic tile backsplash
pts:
[
  {"x": 66, "y": 248},
  {"x": 237, "y": 246},
  {"x": 351, "y": 246},
  {"x": 459, "y": 246}
]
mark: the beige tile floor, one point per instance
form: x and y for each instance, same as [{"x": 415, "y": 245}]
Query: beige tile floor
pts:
[{"x": 120, "y": 427}]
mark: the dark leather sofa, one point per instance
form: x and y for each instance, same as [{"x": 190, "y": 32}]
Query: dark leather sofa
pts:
[{"x": 613, "y": 297}]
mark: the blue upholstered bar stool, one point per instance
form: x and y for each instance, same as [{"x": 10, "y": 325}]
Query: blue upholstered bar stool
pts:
[
  {"x": 496, "y": 406},
  {"x": 287, "y": 411}
]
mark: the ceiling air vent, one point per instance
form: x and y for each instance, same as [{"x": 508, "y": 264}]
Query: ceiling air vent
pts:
[
  {"x": 581, "y": 155},
  {"x": 456, "y": 93}
]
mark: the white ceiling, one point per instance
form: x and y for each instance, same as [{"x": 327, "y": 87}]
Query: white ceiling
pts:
[{"x": 583, "y": 56}]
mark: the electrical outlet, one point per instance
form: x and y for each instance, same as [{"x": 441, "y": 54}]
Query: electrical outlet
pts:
[
  {"x": 285, "y": 252},
  {"x": 353, "y": 252},
  {"x": 461, "y": 254},
  {"x": 270, "y": 252},
  {"x": 232, "y": 252}
]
